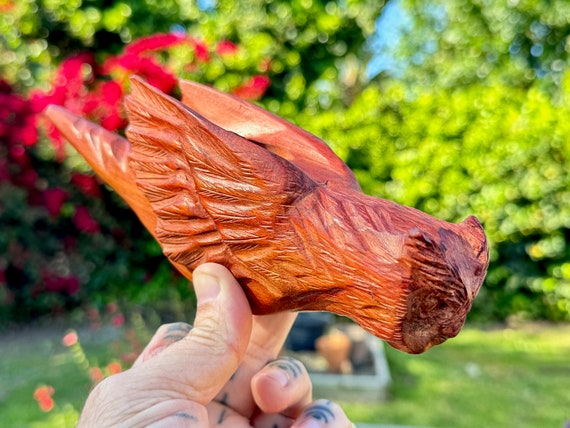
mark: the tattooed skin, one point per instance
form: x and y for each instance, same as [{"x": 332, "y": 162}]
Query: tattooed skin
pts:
[
  {"x": 184, "y": 415},
  {"x": 222, "y": 417},
  {"x": 289, "y": 365},
  {"x": 321, "y": 412},
  {"x": 224, "y": 399},
  {"x": 177, "y": 331}
]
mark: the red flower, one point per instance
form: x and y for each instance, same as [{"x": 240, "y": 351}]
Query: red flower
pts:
[
  {"x": 254, "y": 88},
  {"x": 153, "y": 72},
  {"x": 17, "y": 118},
  {"x": 60, "y": 284},
  {"x": 84, "y": 222},
  {"x": 225, "y": 47},
  {"x": 154, "y": 42},
  {"x": 96, "y": 374},
  {"x": 118, "y": 320},
  {"x": 112, "y": 92},
  {"x": 70, "y": 339},
  {"x": 38, "y": 100},
  {"x": 72, "y": 68},
  {"x": 54, "y": 199},
  {"x": 113, "y": 122},
  {"x": 114, "y": 368},
  {"x": 201, "y": 50},
  {"x": 43, "y": 391},
  {"x": 46, "y": 404},
  {"x": 43, "y": 395},
  {"x": 27, "y": 135},
  {"x": 27, "y": 179},
  {"x": 87, "y": 184}
]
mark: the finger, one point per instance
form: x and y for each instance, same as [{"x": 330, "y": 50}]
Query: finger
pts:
[
  {"x": 267, "y": 338},
  {"x": 322, "y": 413},
  {"x": 204, "y": 360},
  {"x": 166, "y": 335},
  {"x": 221, "y": 416},
  {"x": 282, "y": 386}
]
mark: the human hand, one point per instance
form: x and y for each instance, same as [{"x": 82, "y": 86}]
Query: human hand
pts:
[{"x": 222, "y": 372}]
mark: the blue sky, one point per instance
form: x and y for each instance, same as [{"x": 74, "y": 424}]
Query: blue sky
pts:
[{"x": 389, "y": 27}]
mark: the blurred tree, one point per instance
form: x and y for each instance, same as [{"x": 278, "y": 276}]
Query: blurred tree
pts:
[
  {"x": 313, "y": 49},
  {"x": 459, "y": 42}
]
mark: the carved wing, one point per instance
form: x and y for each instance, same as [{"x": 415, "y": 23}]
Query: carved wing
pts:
[
  {"x": 309, "y": 153},
  {"x": 217, "y": 196},
  {"x": 108, "y": 155}
]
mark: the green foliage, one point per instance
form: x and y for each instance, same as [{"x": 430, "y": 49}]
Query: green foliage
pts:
[
  {"x": 315, "y": 46},
  {"x": 460, "y": 42}
]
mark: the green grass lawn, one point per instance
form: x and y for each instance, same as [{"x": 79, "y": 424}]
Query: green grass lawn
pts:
[{"x": 483, "y": 378}]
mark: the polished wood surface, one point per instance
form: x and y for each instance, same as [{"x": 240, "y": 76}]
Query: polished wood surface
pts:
[{"x": 217, "y": 179}]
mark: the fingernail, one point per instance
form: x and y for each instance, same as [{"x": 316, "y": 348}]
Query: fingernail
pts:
[
  {"x": 207, "y": 287},
  {"x": 279, "y": 376}
]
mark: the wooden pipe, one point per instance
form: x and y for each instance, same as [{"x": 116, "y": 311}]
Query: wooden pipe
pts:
[{"x": 217, "y": 179}]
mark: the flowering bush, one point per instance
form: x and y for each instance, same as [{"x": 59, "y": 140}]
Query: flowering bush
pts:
[{"x": 69, "y": 239}]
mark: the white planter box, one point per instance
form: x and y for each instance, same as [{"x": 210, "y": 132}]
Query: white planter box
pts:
[{"x": 369, "y": 380}]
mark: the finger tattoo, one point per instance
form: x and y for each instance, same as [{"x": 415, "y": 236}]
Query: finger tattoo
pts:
[
  {"x": 288, "y": 364},
  {"x": 321, "y": 412},
  {"x": 177, "y": 331},
  {"x": 184, "y": 415},
  {"x": 222, "y": 417},
  {"x": 179, "y": 326},
  {"x": 224, "y": 399}
]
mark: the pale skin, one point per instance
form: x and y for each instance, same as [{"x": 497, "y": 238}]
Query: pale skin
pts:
[{"x": 222, "y": 372}]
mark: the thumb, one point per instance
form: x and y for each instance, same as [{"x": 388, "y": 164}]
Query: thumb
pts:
[{"x": 199, "y": 365}]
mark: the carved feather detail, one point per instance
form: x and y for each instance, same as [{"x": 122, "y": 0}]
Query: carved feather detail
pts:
[{"x": 217, "y": 179}]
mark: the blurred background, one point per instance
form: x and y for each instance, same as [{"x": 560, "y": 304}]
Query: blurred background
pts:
[{"x": 455, "y": 107}]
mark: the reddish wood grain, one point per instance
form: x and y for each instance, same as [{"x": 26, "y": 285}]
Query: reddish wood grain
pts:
[{"x": 217, "y": 179}]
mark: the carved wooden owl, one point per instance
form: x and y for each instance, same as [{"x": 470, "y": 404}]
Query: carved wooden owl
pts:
[{"x": 216, "y": 179}]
